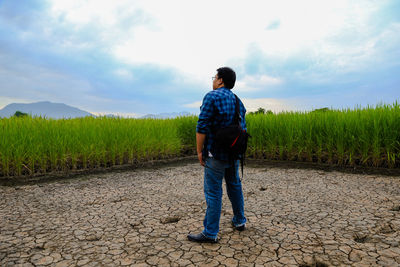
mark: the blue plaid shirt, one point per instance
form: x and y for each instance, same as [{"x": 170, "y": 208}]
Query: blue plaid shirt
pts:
[{"x": 217, "y": 110}]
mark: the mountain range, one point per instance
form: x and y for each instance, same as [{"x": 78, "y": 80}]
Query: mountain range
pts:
[
  {"x": 44, "y": 109},
  {"x": 59, "y": 110},
  {"x": 166, "y": 115}
]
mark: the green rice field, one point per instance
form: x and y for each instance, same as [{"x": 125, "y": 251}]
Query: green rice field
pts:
[
  {"x": 359, "y": 137},
  {"x": 366, "y": 137}
]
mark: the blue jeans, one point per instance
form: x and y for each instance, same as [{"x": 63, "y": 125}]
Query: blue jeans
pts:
[{"x": 214, "y": 171}]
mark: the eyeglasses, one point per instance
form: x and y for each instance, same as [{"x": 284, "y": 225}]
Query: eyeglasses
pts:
[{"x": 213, "y": 78}]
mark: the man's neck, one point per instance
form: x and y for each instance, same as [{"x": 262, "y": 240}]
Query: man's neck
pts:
[{"x": 222, "y": 86}]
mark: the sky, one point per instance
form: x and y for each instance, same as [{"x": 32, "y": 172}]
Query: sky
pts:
[{"x": 133, "y": 58}]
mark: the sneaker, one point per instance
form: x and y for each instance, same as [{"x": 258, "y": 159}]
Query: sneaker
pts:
[
  {"x": 201, "y": 238},
  {"x": 240, "y": 228}
]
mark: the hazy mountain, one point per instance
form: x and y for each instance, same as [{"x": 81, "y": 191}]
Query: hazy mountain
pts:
[
  {"x": 44, "y": 109},
  {"x": 166, "y": 115}
]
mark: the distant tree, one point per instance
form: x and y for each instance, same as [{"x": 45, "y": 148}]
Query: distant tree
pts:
[
  {"x": 261, "y": 111},
  {"x": 20, "y": 114},
  {"x": 321, "y": 110}
]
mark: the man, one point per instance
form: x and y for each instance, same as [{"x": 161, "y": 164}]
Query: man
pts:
[{"x": 218, "y": 110}]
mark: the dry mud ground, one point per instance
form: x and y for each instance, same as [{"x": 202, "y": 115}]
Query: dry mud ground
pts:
[{"x": 296, "y": 217}]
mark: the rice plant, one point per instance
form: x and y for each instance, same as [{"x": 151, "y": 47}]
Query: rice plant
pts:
[
  {"x": 363, "y": 136},
  {"x": 38, "y": 145}
]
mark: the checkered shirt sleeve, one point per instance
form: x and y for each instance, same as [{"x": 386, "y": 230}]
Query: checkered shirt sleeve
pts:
[{"x": 206, "y": 112}]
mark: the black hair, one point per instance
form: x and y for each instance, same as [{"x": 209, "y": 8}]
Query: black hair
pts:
[{"x": 228, "y": 76}]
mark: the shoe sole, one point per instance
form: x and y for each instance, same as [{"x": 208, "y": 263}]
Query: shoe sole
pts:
[
  {"x": 203, "y": 241},
  {"x": 239, "y": 228}
]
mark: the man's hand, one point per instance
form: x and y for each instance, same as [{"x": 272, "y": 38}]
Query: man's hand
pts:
[
  {"x": 200, "y": 156},
  {"x": 200, "y": 138}
]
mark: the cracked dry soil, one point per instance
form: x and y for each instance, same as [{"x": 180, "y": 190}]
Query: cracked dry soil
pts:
[{"x": 296, "y": 217}]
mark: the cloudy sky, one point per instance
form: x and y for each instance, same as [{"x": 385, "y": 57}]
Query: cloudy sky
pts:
[{"x": 133, "y": 57}]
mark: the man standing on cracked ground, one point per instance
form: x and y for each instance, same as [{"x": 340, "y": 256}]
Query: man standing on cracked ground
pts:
[{"x": 218, "y": 110}]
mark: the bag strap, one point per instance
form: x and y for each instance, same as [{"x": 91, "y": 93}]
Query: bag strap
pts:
[
  {"x": 242, "y": 163},
  {"x": 237, "y": 119}
]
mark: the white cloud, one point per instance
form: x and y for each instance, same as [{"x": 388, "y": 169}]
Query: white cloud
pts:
[
  {"x": 196, "y": 104},
  {"x": 370, "y": 51},
  {"x": 80, "y": 13},
  {"x": 95, "y": 24},
  {"x": 256, "y": 83},
  {"x": 124, "y": 73},
  {"x": 198, "y": 37}
]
